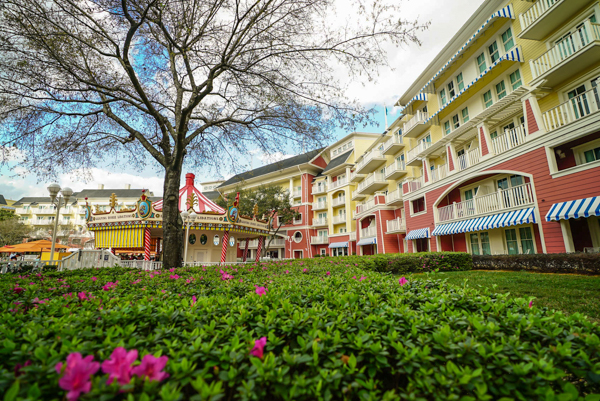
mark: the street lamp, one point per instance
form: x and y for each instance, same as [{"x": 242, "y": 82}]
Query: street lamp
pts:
[
  {"x": 188, "y": 220},
  {"x": 66, "y": 193}
]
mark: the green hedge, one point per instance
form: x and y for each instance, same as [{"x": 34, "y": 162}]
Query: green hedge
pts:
[
  {"x": 333, "y": 330},
  {"x": 579, "y": 263}
]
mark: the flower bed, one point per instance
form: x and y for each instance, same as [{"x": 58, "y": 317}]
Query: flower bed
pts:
[
  {"x": 577, "y": 263},
  {"x": 309, "y": 329}
]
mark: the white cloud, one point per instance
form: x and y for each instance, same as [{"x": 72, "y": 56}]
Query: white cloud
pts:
[
  {"x": 268, "y": 158},
  {"x": 79, "y": 180}
]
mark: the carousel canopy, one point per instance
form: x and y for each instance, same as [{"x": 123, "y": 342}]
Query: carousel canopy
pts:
[{"x": 191, "y": 198}]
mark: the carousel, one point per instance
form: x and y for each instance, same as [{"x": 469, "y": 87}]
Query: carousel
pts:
[{"x": 212, "y": 233}]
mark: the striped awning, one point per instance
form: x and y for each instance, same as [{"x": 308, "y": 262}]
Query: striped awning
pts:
[
  {"x": 338, "y": 245},
  {"x": 120, "y": 238},
  {"x": 416, "y": 234},
  {"x": 507, "y": 219},
  {"x": 367, "y": 241},
  {"x": 574, "y": 209}
]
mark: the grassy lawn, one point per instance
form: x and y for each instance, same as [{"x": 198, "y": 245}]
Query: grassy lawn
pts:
[{"x": 568, "y": 293}]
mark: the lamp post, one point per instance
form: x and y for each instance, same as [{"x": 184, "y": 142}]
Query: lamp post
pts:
[
  {"x": 188, "y": 219},
  {"x": 66, "y": 193}
]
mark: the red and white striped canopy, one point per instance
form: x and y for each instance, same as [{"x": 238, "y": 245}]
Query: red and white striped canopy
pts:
[{"x": 202, "y": 204}]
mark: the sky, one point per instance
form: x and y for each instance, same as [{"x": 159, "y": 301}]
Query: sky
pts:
[{"x": 407, "y": 62}]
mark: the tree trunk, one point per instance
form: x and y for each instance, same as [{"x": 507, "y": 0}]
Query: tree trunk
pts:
[{"x": 171, "y": 219}]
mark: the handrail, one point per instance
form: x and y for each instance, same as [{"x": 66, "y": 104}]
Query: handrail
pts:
[
  {"x": 572, "y": 110},
  {"x": 534, "y": 12},
  {"x": 510, "y": 139},
  {"x": 419, "y": 118}
]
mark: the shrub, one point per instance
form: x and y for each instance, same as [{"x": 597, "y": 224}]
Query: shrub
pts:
[
  {"x": 333, "y": 330},
  {"x": 580, "y": 263}
]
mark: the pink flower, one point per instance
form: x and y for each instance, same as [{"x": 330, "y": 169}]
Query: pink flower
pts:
[
  {"x": 194, "y": 300},
  {"x": 287, "y": 272},
  {"x": 174, "y": 276},
  {"x": 328, "y": 274},
  {"x": 110, "y": 285},
  {"x": 77, "y": 374},
  {"x": 38, "y": 301},
  {"x": 402, "y": 281},
  {"x": 18, "y": 367},
  {"x": 94, "y": 279},
  {"x": 152, "y": 368},
  {"x": 172, "y": 270},
  {"x": 531, "y": 303},
  {"x": 362, "y": 278},
  {"x": 354, "y": 277},
  {"x": 259, "y": 346},
  {"x": 18, "y": 290},
  {"x": 261, "y": 291},
  {"x": 82, "y": 295},
  {"x": 304, "y": 270},
  {"x": 119, "y": 365}
]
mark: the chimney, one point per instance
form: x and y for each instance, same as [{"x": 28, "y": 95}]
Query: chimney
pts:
[
  {"x": 127, "y": 186},
  {"x": 100, "y": 186},
  {"x": 189, "y": 179}
]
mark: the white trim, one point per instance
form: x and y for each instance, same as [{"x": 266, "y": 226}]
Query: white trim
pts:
[{"x": 576, "y": 169}]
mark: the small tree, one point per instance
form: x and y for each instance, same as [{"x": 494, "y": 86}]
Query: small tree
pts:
[
  {"x": 6, "y": 214},
  {"x": 63, "y": 232},
  {"x": 12, "y": 231},
  {"x": 271, "y": 202}
]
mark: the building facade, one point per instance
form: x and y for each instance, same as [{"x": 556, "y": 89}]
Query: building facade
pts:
[{"x": 497, "y": 150}]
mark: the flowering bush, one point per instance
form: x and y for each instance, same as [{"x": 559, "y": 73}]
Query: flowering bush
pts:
[{"x": 342, "y": 329}]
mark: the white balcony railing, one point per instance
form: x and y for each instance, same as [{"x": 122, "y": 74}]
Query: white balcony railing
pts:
[
  {"x": 365, "y": 206},
  {"x": 278, "y": 242},
  {"x": 338, "y": 201},
  {"x": 319, "y": 239},
  {"x": 42, "y": 222},
  {"x": 21, "y": 210},
  {"x": 393, "y": 196},
  {"x": 398, "y": 165},
  {"x": 535, "y": 11},
  {"x": 319, "y": 205},
  {"x": 396, "y": 225},
  {"x": 368, "y": 232},
  {"x": 468, "y": 159},
  {"x": 565, "y": 48},
  {"x": 439, "y": 173},
  {"x": 394, "y": 140},
  {"x": 319, "y": 189},
  {"x": 297, "y": 193},
  {"x": 321, "y": 221},
  {"x": 414, "y": 152},
  {"x": 373, "y": 154},
  {"x": 419, "y": 118},
  {"x": 339, "y": 219},
  {"x": 514, "y": 197},
  {"x": 338, "y": 184},
  {"x": 572, "y": 110},
  {"x": 510, "y": 139},
  {"x": 352, "y": 236},
  {"x": 371, "y": 179},
  {"x": 412, "y": 184}
]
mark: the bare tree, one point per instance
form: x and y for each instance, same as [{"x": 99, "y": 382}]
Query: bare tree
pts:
[{"x": 174, "y": 81}]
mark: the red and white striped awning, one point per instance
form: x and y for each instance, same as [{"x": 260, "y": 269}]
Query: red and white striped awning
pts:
[{"x": 201, "y": 205}]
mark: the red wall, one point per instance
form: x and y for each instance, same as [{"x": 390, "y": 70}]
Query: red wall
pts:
[{"x": 386, "y": 243}]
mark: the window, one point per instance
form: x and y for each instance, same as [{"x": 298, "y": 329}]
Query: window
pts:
[
  {"x": 475, "y": 244},
  {"x": 515, "y": 80},
  {"x": 465, "y": 114},
  {"x": 459, "y": 82},
  {"x": 511, "y": 241},
  {"x": 455, "y": 121},
  {"x": 494, "y": 135},
  {"x": 494, "y": 53},
  {"x": 487, "y": 99},
  {"x": 298, "y": 220},
  {"x": 297, "y": 237},
  {"x": 443, "y": 96},
  {"x": 323, "y": 251},
  {"x": 426, "y": 139},
  {"x": 481, "y": 63},
  {"x": 447, "y": 128},
  {"x": 579, "y": 102},
  {"x": 343, "y": 230},
  {"x": 451, "y": 92},
  {"x": 500, "y": 90},
  {"x": 469, "y": 193},
  {"x": 526, "y": 240},
  {"x": 507, "y": 40},
  {"x": 592, "y": 155},
  {"x": 485, "y": 243},
  {"x": 418, "y": 205}
]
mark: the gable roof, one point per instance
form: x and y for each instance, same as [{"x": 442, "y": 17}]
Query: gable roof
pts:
[
  {"x": 106, "y": 193},
  {"x": 35, "y": 200},
  {"x": 2, "y": 200},
  {"x": 273, "y": 167},
  {"x": 338, "y": 161}
]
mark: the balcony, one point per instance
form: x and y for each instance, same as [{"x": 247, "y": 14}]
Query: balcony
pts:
[
  {"x": 510, "y": 139},
  {"x": 365, "y": 206},
  {"x": 511, "y": 198},
  {"x": 43, "y": 222},
  {"x": 439, "y": 173},
  {"x": 546, "y": 15},
  {"x": 354, "y": 177},
  {"x": 370, "y": 162},
  {"x": 395, "y": 170},
  {"x": 373, "y": 182},
  {"x": 319, "y": 205},
  {"x": 394, "y": 198},
  {"x": 412, "y": 184},
  {"x": 396, "y": 226},
  {"x": 276, "y": 243},
  {"x": 356, "y": 195},
  {"x": 297, "y": 193},
  {"x": 416, "y": 125},
  {"x": 340, "y": 219},
  {"x": 412, "y": 157},
  {"x": 572, "y": 110},
  {"x": 352, "y": 236},
  {"x": 393, "y": 145},
  {"x": 319, "y": 189},
  {"x": 320, "y": 222},
  {"x": 319, "y": 240},
  {"x": 368, "y": 232},
  {"x": 336, "y": 202},
  {"x": 338, "y": 184},
  {"x": 46, "y": 210},
  {"x": 571, "y": 56},
  {"x": 468, "y": 159},
  {"x": 23, "y": 211}
]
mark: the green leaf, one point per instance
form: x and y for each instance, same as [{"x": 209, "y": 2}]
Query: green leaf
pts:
[{"x": 12, "y": 392}]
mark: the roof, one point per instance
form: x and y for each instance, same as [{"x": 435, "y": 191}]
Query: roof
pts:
[
  {"x": 212, "y": 195},
  {"x": 33, "y": 200},
  {"x": 106, "y": 193},
  {"x": 273, "y": 167},
  {"x": 201, "y": 203},
  {"x": 338, "y": 161},
  {"x": 2, "y": 200}
]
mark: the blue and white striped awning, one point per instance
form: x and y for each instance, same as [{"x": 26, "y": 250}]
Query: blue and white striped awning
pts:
[
  {"x": 514, "y": 55},
  {"x": 574, "y": 209},
  {"x": 507, "y": 219},
  {"x": 367, "y": 241},
  {"x": 419, "y": 233},
  {"x": 420, "y": 96},
  {"x": 338, "y": 245}
]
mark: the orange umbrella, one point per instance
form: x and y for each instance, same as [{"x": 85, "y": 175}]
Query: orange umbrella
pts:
[{"x": 33, "y": 246}]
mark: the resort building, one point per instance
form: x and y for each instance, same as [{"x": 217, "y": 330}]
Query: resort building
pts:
[{"x": 497, "y": 150}]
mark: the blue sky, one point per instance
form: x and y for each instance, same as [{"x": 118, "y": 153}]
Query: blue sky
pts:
[{"x": 407, "y": 64}]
